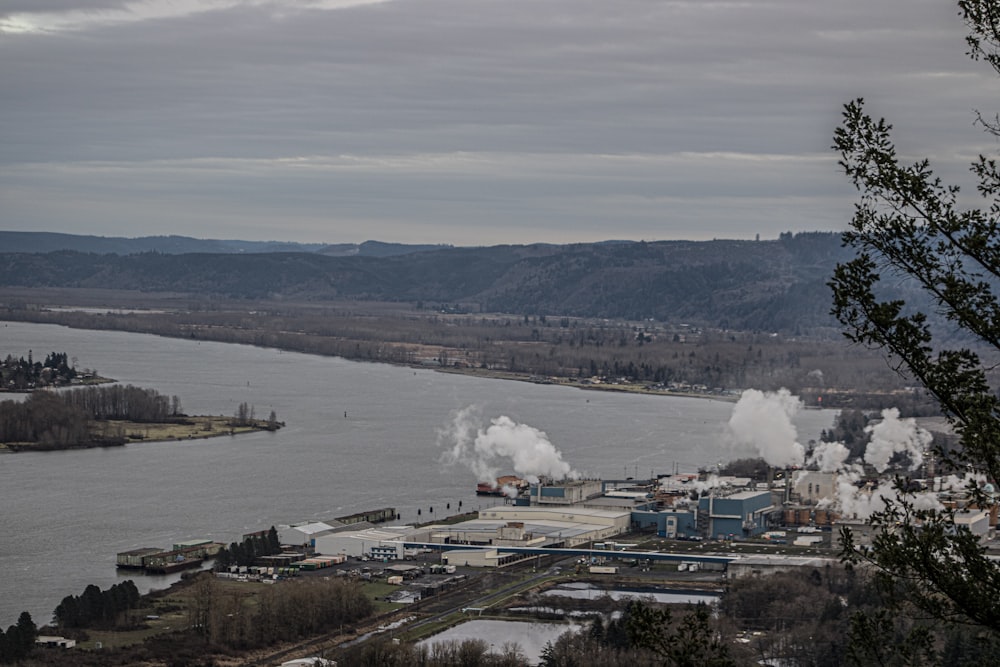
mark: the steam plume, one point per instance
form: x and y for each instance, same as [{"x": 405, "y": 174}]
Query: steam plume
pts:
[
  {"x": 830, "y": 456},
  {"x": 528, "y": 450},
  {"x": 894, "y": 435},
  {"x": 763, "y": 421}
]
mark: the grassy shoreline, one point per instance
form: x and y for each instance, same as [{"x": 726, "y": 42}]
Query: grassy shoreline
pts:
[{"x": 118, "y": 433}]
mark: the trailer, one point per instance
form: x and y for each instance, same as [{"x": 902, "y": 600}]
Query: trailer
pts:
[{"x": 603, "y": 569}]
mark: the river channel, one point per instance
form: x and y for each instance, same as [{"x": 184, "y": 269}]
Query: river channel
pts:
[{"x": 66, "y": 514}]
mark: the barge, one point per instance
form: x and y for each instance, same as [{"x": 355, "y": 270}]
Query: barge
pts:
[
  {"x": 183, "y": 556},
  {"x": 371, "y": 516}
]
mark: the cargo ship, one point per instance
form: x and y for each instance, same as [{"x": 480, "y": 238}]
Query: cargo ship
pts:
[{"x": 498, "y": 488}]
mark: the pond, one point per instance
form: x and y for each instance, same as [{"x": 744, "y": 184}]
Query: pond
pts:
[
  {"x": 531, "y": 637},
  {"x": 585, "y": 591}
]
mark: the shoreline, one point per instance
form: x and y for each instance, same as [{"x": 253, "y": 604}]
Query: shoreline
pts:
[
  {"x": 641, "y": 389},
  {"x": 807, "y": 395},
  {"x": 133, "y": 433}
]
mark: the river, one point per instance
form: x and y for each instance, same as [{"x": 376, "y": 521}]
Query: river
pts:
[{"x": 66, "y": 514}]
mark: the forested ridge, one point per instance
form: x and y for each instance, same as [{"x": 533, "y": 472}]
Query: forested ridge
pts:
[{"x": 776, "y": 285}]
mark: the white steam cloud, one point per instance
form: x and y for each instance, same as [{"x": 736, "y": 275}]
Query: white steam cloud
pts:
[
  {"x": 829, "y": 456},
  {"x": 893, "y": 435},
  {"x": 762, "y": 421},
  {"x": 526, "y": 450},
  {"x": 853, "y": 502},
  {"x": 889, "y": 437}
]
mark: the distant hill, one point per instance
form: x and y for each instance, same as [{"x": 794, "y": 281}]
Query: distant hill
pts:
[
  {"x": 775, "y": 285},
  {"x": 42, "y": 242}
]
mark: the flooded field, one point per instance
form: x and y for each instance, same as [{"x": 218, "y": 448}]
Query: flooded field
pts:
[
  {"x": 531, "y": 637},
  {"x": 585, "y": 591}
]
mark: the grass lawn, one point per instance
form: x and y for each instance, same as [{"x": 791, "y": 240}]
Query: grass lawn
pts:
[{"x": 376, "y": 592}]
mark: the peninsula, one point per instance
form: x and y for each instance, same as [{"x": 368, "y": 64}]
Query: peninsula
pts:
[{"x": 100, "y": 416}]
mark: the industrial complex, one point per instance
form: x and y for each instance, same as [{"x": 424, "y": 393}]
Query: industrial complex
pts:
[{"x": 590, "y": 520}]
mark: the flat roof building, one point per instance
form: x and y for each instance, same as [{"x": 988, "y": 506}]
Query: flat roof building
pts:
[{"x": 305, "y": 534}]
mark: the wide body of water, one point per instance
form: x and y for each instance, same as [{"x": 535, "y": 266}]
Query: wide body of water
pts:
[{"x": 66, "y": 514}]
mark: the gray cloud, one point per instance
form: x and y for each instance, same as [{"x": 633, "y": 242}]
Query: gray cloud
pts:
[{"x": 465, "y": 122}]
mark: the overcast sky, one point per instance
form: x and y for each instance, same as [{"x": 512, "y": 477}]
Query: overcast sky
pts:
[{"x": 470, "y": 122}]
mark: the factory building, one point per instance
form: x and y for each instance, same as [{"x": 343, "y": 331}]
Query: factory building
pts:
[
  {"x": 811, "y": 486},
  {"x": 976, "y": 521},
  {"x": 741, "y": 514},
  {"x": 737, "y": 515},
  {"x": 565, "y": 493},
  {"x": 675, "y": 523}
]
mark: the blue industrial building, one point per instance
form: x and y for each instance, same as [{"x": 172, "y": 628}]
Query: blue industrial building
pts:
[
  {"x": 741, "y": 514},
  {"x": 671, "y": 523}
]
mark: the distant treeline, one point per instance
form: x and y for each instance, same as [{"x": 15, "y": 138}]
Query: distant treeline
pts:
[{"x": 63, "y": 419}]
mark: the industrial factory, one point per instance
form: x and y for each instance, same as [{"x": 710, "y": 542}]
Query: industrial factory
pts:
[{"x": 794, "y": 507}]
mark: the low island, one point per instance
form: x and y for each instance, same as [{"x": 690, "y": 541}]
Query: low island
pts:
[{"x": 101, "y": 416}]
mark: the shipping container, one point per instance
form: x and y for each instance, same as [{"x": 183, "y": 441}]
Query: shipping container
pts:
[{"x": 603, "y": 569}]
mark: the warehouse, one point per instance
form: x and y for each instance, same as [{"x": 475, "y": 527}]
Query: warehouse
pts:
[
  {"x": 384, "y": 543},
  {"x": 756, "y": 566},
  {"x": 481, "y": 558},
  {"x": 305, "y": 534},
  {"x": 529, "y": 526}
]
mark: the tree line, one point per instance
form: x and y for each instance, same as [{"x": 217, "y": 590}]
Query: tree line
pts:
[
  {"x": 293, "y": 610},
  {"x": 64, "y": 419},
  {"x": 249, "y": 550},
  {"x": 18, "y": 641},
  {"x": 20, "y": 374},
  {"x": 549, "y": 346},
  {"x": 96, "y": 608},
  {"x": 124, "y": 402}
]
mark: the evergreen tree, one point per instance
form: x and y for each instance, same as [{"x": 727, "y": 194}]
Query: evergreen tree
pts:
[{"x": 909, "y": 224}]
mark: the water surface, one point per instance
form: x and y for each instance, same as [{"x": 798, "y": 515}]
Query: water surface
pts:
[{"x": 66, "y": 514}]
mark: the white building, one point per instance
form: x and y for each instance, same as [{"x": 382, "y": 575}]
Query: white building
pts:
[
  {"x": 480, "y": 557},
  {"x": 812, "y": 486},
  {"x": 384, "y": 543},
  {"x": 762, "y": 565},
  {"x": 568, "y": 525},
  {"x": 977, "y": 521},
  {"x": 305, "y": 534}
]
